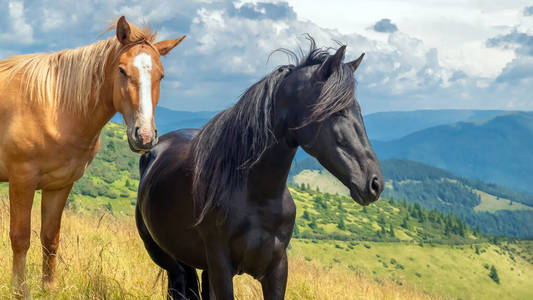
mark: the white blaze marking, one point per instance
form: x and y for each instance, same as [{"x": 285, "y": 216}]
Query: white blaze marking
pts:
[{"x": 143, "y": 63}]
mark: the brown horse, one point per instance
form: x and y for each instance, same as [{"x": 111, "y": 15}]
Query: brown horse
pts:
[{"x": 52, "y": 109}]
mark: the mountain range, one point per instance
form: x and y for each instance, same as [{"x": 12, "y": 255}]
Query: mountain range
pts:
[
  {"x": 386, "y": 126},
  {"x": 490, "y": 145},
  {"x": 498, "y": 149}
]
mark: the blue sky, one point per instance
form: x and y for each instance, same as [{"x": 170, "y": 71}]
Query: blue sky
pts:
[{"x": 421, "y": 54}]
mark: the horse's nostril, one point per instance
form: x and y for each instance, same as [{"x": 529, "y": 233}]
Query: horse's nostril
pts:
[
  {"x": 374, "y": 185},
  {"x": 137, "y": 133}
]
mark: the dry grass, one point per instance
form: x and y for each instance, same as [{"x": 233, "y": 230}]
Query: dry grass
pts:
[
  {"x": 308, "y": 280},
  {"x": 102, "y": 257}
]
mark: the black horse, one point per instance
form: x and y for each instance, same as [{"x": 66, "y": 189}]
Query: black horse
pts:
[{"x": 216, "y": 198}]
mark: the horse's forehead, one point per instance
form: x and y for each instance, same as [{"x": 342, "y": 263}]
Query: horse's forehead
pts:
[{"x": 136, "y": 51}]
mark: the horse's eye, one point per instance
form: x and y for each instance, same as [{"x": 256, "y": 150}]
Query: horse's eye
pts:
[
  {"x": 343, "y": 143},
  {"x": 122, "y": 71}
]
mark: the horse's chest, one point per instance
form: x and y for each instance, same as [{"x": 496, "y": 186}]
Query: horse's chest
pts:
[
  {"x": 264, "y": 237},
  {"x": 3, "y": 166},
  {"x": 60, "y": 173}
]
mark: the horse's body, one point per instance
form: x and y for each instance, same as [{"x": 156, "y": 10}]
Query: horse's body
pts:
[
  {"x": 217, "y": 199},
  {"x": 52, "y": 109}
]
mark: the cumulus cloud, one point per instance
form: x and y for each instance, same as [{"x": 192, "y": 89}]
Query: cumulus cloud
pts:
[
  {"x": 516, "y": 76},
  {"x": 528, "y": 11},
  {"x": 274, "y": 11},
  {"x": 229, "y": 43},
  {"x": 238, "y": 46},
  {"x": 385, "y": 25},
  {"x": 520, "y": 42},
  {"x": 14, "y": 20}
]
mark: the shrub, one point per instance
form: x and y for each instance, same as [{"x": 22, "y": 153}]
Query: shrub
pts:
[
  {"x": 108, "y": 207},
  {"x": 494, "y": 274}
]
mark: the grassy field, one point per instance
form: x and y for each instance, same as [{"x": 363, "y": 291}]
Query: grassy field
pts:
[
  {"x": 102, "y": 257},
  {"x": 492, "y": 203},
  {"x": 324, "y": 181},
  {"x": 446, "y": 270}
]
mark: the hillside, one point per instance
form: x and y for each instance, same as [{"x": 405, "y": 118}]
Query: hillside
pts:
[
  {"x": 491, "y": 208},
  {"x": 337, "y": 217},
  {"x": 498, "y": 150},
  {"x": 390, "y": 249},
  {"x": 110, "y": 182},
  {"x": 102, "y": 257}
]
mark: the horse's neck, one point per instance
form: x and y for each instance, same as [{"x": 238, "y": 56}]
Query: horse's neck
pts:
[
  {"x": 99, "y": 117},
  {"x": 269, "y": 176},
  {"x": 91, "y": 124}
]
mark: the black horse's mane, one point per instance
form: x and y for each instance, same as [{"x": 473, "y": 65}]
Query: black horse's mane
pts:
[{"x": 235, "y": 139}]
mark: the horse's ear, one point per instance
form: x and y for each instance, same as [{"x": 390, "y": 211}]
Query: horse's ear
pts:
[
  {"x": 355, "y": 64},
  {"x": 164, "y": 47},
  {"x": 123, "y": 31},
  {"x": 331, "y": 64}
]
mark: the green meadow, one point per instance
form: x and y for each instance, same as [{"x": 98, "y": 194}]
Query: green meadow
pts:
[{"x": 340, "y": 250}]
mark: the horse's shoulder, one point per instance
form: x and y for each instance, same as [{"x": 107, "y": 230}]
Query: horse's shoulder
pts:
[{"x": 170, "y": 153}]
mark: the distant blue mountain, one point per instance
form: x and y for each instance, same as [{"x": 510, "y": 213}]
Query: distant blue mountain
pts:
[
  {"x": 168, "y": 120},
  {"x": 498, "y": 150},
  {"x": 490, "y": 145},
  {"x": 385, "y": 126},
  {"x": 382, "y": 126}
]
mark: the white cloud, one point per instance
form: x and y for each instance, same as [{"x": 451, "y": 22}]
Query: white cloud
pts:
[
  {"x": 438, "y": 56},
  {"x": 18, "y": 31},
  {"x": 457, "y": 29}
]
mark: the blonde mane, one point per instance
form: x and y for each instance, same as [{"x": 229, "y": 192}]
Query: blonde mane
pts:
[{"x": 69, "y": 79}]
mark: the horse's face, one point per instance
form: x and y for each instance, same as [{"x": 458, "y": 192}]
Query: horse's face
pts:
[
  {"x": 338, "y": 141},
  {"x": 136, "y": 87}
]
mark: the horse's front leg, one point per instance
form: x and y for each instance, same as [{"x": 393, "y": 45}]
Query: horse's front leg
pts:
[
  {"x": 220, "y": 274},
  {"x": 21, "y": 191},
  {"x": 52, "y": 205},
  {"x": 275, "y": 281}
]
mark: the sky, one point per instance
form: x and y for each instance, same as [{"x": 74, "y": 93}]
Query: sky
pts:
[{"x": 420, "y": 54}]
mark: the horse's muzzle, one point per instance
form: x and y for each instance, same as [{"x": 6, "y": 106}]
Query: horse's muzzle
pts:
[{"x": 141, "y": 142}]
